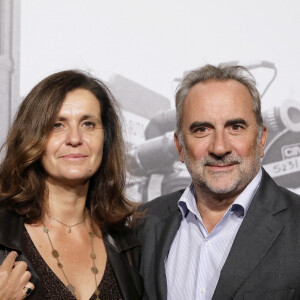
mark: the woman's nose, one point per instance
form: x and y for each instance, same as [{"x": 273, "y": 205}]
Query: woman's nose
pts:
[{"x": 74, "y": 137}]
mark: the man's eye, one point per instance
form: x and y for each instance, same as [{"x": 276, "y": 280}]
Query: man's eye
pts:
[
  {"x": 236, "y": 127},
  {"x": 200, "y": 129}
]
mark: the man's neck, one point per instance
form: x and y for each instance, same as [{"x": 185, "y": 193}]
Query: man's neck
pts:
[{"x": 212, "y": 207}]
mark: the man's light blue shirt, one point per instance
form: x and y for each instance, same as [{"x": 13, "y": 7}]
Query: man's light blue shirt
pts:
[{"x": 196, "y": 257}]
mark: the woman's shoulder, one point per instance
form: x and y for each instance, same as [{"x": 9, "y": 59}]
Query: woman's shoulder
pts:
[
  {"x": 11, "y": 229},
  {"x": 9, "y": 216}
]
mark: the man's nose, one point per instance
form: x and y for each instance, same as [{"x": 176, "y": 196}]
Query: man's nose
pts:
[
  {"x": 74, "y": 136},
  {"x": 220, "y": 145}
]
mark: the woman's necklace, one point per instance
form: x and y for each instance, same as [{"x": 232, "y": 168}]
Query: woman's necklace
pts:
[
  {"x": 94, "y": 269},
  {"x": 67, "y": 225}
]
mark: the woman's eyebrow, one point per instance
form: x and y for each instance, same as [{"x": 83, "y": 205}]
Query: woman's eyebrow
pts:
[
  {"x": 84, "y": 117},
  {"x": 89, "y": 116}
]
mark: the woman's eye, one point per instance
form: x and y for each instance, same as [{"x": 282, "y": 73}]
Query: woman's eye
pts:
[
  {"x": 89, "y": 124},
  {"x": 57, "y": 125}
]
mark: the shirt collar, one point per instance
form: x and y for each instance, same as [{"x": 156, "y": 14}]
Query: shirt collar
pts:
[{"x": 187, "y": 202}]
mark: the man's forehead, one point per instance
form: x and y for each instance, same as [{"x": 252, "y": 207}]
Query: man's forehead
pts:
[
  {"x": 218, "y": 100},
  {"x": 212, "y": 85}
]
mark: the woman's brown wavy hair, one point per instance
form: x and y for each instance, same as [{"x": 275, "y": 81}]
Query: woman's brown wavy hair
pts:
[{"x": 22, "y": 178}]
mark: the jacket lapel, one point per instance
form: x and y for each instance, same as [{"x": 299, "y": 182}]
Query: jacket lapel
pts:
[
  {"x": 118, "y": 248},
  {"x": 11, "y": 236},
  {"x": 263, "y": 223},
  {"x": 166, "y": 231}
]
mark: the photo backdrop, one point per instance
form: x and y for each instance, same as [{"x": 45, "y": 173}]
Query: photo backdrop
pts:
[{"x": 141, "y": 49}]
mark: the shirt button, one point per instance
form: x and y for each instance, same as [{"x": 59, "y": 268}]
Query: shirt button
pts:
[
  {"x": 208, "y": 244},
  {"x": 202, "y": 290}
]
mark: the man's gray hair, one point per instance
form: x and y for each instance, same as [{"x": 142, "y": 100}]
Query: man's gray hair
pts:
[{"x": 222, "y": 72}]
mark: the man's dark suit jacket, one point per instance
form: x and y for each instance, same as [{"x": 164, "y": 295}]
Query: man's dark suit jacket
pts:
[{"x": 264, "y": 261}]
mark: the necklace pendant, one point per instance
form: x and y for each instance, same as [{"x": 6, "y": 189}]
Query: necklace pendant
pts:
[
  {"x": 94, "y": 270},
  {"x": 55, "y": 253},
  {"x": 69, "y": 230}
]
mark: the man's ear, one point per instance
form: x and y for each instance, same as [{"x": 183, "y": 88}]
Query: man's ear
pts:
[
  {"x": 263, "y": 141},
  {"x": 178, "y": 147}
]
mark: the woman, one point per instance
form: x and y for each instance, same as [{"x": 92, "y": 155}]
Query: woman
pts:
[{"x": 63, "y": 208}]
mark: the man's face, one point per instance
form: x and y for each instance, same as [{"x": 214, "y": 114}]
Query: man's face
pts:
[{"x": 220, "y": 144}]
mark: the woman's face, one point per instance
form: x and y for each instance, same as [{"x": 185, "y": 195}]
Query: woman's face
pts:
[{"x": 75, "y": 147}]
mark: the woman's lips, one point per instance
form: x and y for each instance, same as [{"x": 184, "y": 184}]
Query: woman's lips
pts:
[{"x": 74, "y": 156}]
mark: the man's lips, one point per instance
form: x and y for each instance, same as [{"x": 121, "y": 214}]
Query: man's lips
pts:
[
  {"x": 223, "y": 167},
  {"x": 74, "y": 156}
]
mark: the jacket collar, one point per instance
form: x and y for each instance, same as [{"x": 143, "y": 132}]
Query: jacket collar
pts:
[
  {"x": 121, "y": 240},
  {"x": 169, "y": 229},
  {"x": 165, "y": 230},
  {"x": 124, "y": 255}
]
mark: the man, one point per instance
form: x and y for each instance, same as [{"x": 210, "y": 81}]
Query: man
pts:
[{"x": 232, "y": 234}]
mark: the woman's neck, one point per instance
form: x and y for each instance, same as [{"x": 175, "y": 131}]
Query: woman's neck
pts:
[{"x": 66, "y": 204}]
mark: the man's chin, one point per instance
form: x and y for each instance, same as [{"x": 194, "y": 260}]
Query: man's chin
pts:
[
  {"x": 221, "y": 187},
  {"x": 222, "y": 190}
]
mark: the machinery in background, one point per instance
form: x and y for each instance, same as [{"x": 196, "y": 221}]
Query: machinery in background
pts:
[
  {"x": 138, "y": 104},
  {"x": 282, "y": 154}
]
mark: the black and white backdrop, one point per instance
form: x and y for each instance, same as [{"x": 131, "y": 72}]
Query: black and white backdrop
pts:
[{"x": 141, "y": 49}]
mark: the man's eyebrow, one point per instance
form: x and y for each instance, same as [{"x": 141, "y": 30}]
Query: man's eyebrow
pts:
[
  {"x": 199, "y": 124},
  {"x": 236, "y": 121}
]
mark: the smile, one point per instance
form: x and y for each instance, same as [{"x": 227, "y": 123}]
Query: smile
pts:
[
  {"x": 74, "y": 156},
  {"x": 221, "y": 168}
]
